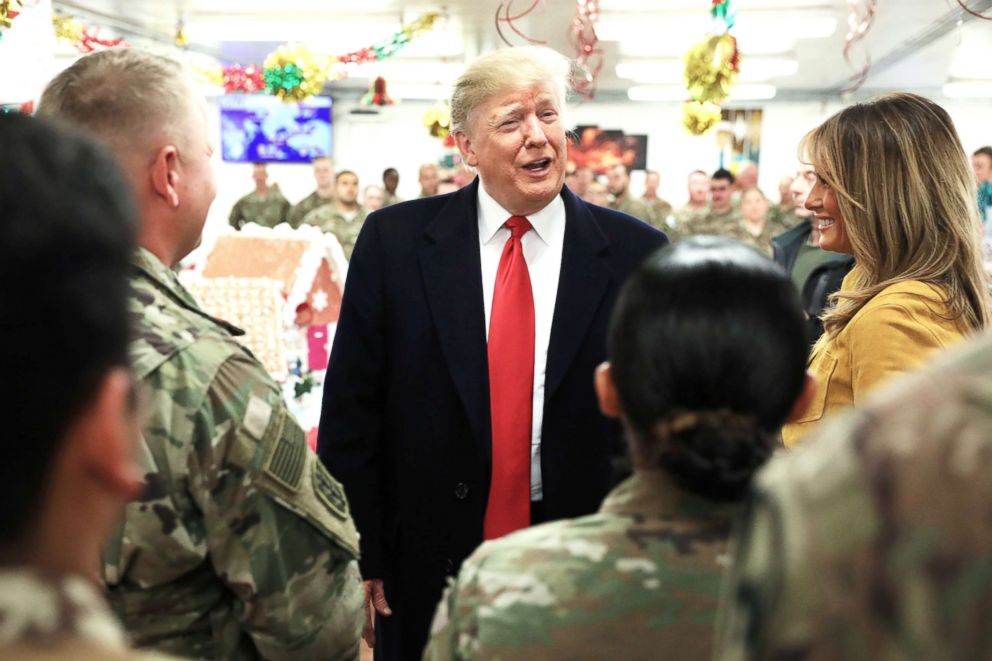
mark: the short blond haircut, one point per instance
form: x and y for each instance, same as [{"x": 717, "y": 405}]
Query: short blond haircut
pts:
[
  {"x": 906, "y": 193},
  {"x": 505, "y": 70},
  {"x": 123, "y": 96}
]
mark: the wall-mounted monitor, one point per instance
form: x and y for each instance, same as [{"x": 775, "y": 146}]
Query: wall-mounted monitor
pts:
[{"x": 262, "y": 128}]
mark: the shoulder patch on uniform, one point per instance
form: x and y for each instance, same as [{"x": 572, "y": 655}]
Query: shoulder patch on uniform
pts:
[
  {"x": 289, "y": 457},
  {"x": 329, "y": 491}
]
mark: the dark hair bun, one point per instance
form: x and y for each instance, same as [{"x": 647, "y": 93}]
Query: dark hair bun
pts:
[{"x": 717, "y": 462}]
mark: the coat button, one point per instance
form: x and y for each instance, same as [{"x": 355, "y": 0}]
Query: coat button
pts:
[{"x": 461, "y": 491}]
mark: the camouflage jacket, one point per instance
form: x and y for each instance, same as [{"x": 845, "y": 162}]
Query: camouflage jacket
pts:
[
  {"x": 242, "y": 544},
  {"x": 638, "y": 580},
  {"x": 51, "y": 616},
  {"x": 329, "y": 219},
  {"x": 267, "y": 211},
  {"x": 762, "y": 241},
  {"x": 633, "y": 207},
  {"x": 686, "y": 217},
  {"x": 390, "y": 198},
  {"x": 717, "y": 224},
  {"x": 660, "y": 212},
  {"x": 305, "y": 206},
  {"x": 873, "y": 540}
]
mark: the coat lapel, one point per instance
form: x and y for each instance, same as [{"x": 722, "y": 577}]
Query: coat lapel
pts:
[
  {"x": 585, "y": 277},
  {"x": 452, "y": 270}
]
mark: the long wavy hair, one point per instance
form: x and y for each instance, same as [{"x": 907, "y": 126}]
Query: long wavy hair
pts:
[{"x": 907, "y": 195}]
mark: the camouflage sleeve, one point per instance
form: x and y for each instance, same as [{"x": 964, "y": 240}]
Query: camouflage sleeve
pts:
[
  {"x": 278, "y": 527},
  {"x": 235, "y": 218},
  {"x": 806, "y": 507},
  {"x": 284, "y": 208},
  {"x": 295, "y": 214},
  {"x": 454, "y": 620}
]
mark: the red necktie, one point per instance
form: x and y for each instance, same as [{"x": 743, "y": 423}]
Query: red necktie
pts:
[{"x": 511, "y": 387}]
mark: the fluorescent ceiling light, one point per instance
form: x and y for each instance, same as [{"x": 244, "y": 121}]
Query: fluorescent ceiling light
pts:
[
  {"x": 661, "y": 71},
  {"x": 968, "y": 89},
  {"x": 752, "y": 92}
]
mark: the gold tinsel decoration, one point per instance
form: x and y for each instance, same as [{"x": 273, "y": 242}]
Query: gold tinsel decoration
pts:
[
  {"x": 711, "y": 68},
  {"x": 698, "y": 117},
  {"x": 293, "y": 73},
  {"x": 438, "y": 120}
]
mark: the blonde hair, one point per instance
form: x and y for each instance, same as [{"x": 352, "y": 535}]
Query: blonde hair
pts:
[
  {"x": 906, "y": 194},
  {"x": 504, "y": 70},
  {"x": 122, "y": 96}
]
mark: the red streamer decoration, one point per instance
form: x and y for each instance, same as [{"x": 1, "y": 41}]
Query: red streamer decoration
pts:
[
  {"x": 973, "y": 12},
  {"x": 589, "y": 57},
  {"x": 504, "y": 9},
  {"x": 859, "y": 22},
  {"x": 239, "y": 78}
]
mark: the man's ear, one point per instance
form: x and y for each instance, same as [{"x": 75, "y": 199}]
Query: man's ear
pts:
[
  {"x": 108, "y": 432},
  {"x": 165, "y": 175},
  {"x": 606, "y": 391},
  {"x": 804, "y": 400},
  {"x": 465, "y": 147}
]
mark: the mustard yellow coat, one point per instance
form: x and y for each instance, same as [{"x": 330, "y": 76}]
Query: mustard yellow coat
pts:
[{"x": 894, "y": 332}]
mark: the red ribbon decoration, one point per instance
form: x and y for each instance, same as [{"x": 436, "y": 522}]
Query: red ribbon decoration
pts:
[
  {"x": 858, "y": 26},
  {"x": 504, "y": 9},
  {"x": 973, "y": 12},
  {"x": 589, "y": 57}
]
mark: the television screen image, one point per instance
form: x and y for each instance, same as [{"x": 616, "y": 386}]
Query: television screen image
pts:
[{"x": 257, "y": 128}]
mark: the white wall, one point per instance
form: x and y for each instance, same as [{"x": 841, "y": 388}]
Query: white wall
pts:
[{"x": 397, "y": 138}]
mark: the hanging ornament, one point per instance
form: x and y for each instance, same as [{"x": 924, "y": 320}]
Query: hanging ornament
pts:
[
  {"x": 389, "y": 47},
  {"x": 699, "y": 117},
  {"x": 438, "y": 120},
  {"x": 181, "y": 40},
  {"x": 860, "y": 19},
  {"x": 377, "y": 95},
  {"x": 9, "y": 10},
  {"x": 293, "y": 73},
  {"x": 711, "y": 68},
  {"x": 83, "y": 37},
  {"x": 588, "y": 55}
]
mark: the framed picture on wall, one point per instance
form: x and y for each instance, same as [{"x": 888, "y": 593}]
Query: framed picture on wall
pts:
[{"x": 600, "y": 149}]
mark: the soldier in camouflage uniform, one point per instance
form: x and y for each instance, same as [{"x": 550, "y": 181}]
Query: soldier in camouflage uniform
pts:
[
  {"x": 66, "y": 398},
  {"x": 264, "y": 206},
  {"x": 323, "y": 174},
  {"x": 241, "y": 545},
  {"x": 640, "y": 579},
  {"x": 696, "y": 208},
  {"x": 873, "y": 540},
  {"x": 618, "y": 183},
  {"x": 344, "y": 217},
  {"x": 722, "y": 218}
]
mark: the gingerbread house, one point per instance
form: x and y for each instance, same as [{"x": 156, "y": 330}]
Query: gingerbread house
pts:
[{"x": 304, "y": 267}]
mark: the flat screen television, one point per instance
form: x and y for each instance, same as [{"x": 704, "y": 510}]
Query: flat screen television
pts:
[{"x": 258, "y": 128}]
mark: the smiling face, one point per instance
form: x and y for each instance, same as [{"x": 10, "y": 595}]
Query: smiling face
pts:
[
  {"x": 822, "y": 201},
  {"x": 516, "y": 141}
]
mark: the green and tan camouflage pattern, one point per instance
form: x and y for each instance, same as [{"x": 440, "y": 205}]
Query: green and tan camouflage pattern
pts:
[
  {"x": 305, "y": 206},
  {"x": 874, "y": 539},
  {"x": 686, "y": 217},
  {"x": 783, "y": 220},
  {"x": 330, "y": 220},
  {"x": 638, "y": 580},
  {"x": 267, "y": 211},
  {"x": 633, "y": 207},
  {"x": 762, "y": 241},
  {"x": 716, "y": 224},
  {"x": 242, "y": 545},
  {"x": 660, "y": 212},
  {"x": 45, "y": 615}
]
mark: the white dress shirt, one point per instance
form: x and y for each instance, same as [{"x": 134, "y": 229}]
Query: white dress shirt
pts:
[{"x": 542, "y": 252}]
